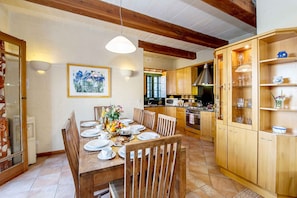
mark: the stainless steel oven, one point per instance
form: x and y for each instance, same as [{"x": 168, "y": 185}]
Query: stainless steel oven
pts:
[{"x": 193, "y": 117}]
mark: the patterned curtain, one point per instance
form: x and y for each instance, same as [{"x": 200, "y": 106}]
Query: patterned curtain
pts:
[{"x": 4, "y": 133}]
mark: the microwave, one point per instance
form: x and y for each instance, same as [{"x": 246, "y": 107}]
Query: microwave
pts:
[{"x": 171, "y": 101}]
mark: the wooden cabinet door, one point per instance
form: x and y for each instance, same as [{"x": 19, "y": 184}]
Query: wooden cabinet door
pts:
[
  {"x": 180, "y": 81},
  {"x": 242, "y": 153},
  {"x": 267, "y": 161},
  {"x": 170, "y": 111},
  {"x": 171, "y": 82},
  {"x": 221, "y": 145},
  {"x": 187, "y": 81},
  {"x": 180, "y": 118},
  {"x": 206, "y": 126}
]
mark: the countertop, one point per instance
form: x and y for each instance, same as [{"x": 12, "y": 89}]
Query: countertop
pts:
[{"x": 155, "y": 105}]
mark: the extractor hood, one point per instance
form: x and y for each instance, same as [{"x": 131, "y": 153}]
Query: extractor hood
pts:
[{"x": 204, "y": 78}]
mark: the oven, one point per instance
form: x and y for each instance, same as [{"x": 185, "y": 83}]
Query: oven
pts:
[{"x": 193, "y": 117}]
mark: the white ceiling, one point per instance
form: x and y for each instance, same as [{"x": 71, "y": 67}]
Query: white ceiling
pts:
[{"x": 192, "y": 14}]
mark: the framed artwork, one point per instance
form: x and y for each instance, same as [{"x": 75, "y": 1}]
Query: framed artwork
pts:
[{"x": 88, "y": 81}]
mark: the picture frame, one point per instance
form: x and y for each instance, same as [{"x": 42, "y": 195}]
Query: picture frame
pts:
[{"x": 88, "y": 81}]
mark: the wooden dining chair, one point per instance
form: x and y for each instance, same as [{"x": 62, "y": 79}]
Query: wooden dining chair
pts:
[
  {"x": 98, "y": 112},
  {"x": 137, "y": 115},
  {"x": 151, "y": 173},
  {"x": 149, "y": 119},
  {"x": 166, "y": 125},
  {"x": 71, "y": 144}
]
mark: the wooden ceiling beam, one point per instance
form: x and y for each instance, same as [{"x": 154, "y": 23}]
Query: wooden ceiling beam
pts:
[
  {"x": 243, "y": 10},
  {"x": 110, "y": 13},
  {"x": 161, "y": 49}
]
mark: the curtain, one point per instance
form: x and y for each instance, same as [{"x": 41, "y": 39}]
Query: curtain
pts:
[{"x": 4, "y": 132}]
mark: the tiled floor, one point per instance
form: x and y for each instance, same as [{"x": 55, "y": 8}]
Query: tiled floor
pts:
[{"x": 50, "y": 177}]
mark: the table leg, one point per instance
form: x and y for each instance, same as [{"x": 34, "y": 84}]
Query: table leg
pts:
[{"x": 86, "y": 186}]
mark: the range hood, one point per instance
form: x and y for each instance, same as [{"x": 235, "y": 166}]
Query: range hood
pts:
[{"x": 204, "y": 78}]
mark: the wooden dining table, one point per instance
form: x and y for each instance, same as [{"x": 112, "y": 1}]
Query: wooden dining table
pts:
[{"x": 95, "y": 174}]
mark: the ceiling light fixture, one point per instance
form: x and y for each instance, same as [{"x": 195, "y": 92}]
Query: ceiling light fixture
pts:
[{"x": 120, "y": 44}]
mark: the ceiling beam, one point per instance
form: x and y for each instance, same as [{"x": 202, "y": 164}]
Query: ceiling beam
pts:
[
  {"x": 110, "y": 13},
  {"x": 161, "y": 49},
  {"x": 243, "y": 10}
]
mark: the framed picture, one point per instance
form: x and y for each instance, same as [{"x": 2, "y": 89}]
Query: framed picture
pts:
[{"x": 88, "y": 81}]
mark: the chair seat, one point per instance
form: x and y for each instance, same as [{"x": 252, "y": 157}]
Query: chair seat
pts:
[{"x": 116, "y": 188}]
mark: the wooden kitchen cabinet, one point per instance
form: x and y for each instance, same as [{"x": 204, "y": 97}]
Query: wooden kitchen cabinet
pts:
[
  {"x": 180, "y": 119},
  {"x": 256, "y": 156},
  {"x": 185, "y": 78},
  {"x": 170, "y": 111},
  {"x": 242, "y": 153},
  {"x": 171, "y": 82},
  {"x": 207, "y": 125},
  {"x": 221, "y": 143}
]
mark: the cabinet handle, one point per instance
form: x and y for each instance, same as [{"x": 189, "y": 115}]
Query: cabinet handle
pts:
[{"x": 266, "y": 139}]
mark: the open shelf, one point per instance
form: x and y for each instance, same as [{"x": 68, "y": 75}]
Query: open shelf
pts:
[
  {"x": 278, "y": 85},
  {"x": 274, "y": 109},
  {"x": 279, "y": 60}
]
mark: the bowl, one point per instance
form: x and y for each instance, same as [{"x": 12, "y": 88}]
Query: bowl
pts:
[{"x": 279, "y": 129}]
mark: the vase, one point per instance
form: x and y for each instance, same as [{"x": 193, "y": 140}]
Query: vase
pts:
[{"x": 279, "y": 103}]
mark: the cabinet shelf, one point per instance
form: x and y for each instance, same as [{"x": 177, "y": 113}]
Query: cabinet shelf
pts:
[
  {"x": 279, "y": 60},
  {"x": 274, "y": 109},
  {"x": 288, "y": 133},
  {"x": 278, "y": 85}
]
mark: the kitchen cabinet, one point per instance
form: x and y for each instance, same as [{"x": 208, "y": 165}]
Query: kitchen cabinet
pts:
[
  {"x": 207, "y": 125},
  {"x": 280, "y": 178},
  {"x": 185, "y": 78},
  {"x": 247, "y": 149},
  {"x": 170, "y": 111},
  {"x": 221, "y": 142},
  {"x": 180, "y": 118},
  {"x": 236, "y": 109},
  {"x": 278, "y": 163},
  {"x": 242, "y": 153},
  {"x": 171, "y": 82}
]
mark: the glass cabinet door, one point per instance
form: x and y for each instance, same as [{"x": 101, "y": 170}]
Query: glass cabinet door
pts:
[
  {"x": 13, "y": 135},
  {"x": 242, "y": 95},
  {"x": 221, "y": 85}
]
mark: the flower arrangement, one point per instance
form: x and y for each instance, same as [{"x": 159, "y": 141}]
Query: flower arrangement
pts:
[
  {"x": 113, "y": 112},
  {"x": 279, "y": 101}
]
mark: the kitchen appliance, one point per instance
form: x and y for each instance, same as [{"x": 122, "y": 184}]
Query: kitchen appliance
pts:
[
  {"x": 204, "y": 78},
  {"x": 193, "y": 117},
  {"x": 171, "y": 101}
]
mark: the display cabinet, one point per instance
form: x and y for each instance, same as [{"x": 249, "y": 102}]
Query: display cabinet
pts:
[
  {"x": 284, "y": 90},
  {"x": 242, "y": 85}
]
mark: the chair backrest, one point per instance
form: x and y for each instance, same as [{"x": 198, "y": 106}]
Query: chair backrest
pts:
[
  {"x": 71, "y": 149},
  {"x": 153, "y": 173},
  {"x": 138, "y": 115},
  {"x": 149, "y": 119},
  {"x": 166, "y": 125},
  {"x": 98, "y": 112},
  {"x": 74, "y": 130}
]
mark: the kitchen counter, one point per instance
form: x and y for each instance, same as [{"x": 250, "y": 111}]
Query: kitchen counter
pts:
[{"x": 201, "y": 109}]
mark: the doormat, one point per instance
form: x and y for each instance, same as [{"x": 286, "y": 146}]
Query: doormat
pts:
[{"x": 247, "y": 193}]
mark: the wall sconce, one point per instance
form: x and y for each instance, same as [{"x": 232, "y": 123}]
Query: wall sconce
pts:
[
  {"x": 126, "y": 73},
  {"x": 40, "y": 66}
]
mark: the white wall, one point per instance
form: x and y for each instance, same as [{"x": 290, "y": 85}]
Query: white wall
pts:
[
  {"x": 57, "y": 39},
  {"x": 273, "y": 14}
]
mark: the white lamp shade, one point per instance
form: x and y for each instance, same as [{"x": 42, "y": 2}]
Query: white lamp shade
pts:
[
  {"x": 121, "y": 45},
  {"x": 40, "y": 65}
]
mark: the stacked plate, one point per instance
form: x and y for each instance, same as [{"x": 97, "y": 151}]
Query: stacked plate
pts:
[
  {"x": 90, "y": 133},
  {"x": 122, "y": 152},
  {"x": 126, "y": 121},
  {"x": 89, "y": 124},
  {"x": 148, "y": 136},
  {"x": 97, "y": 145},
  {"x": 135, "y": 129}
]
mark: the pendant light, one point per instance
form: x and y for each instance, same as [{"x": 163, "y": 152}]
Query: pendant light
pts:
[{"x": 120, "y": 44}]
